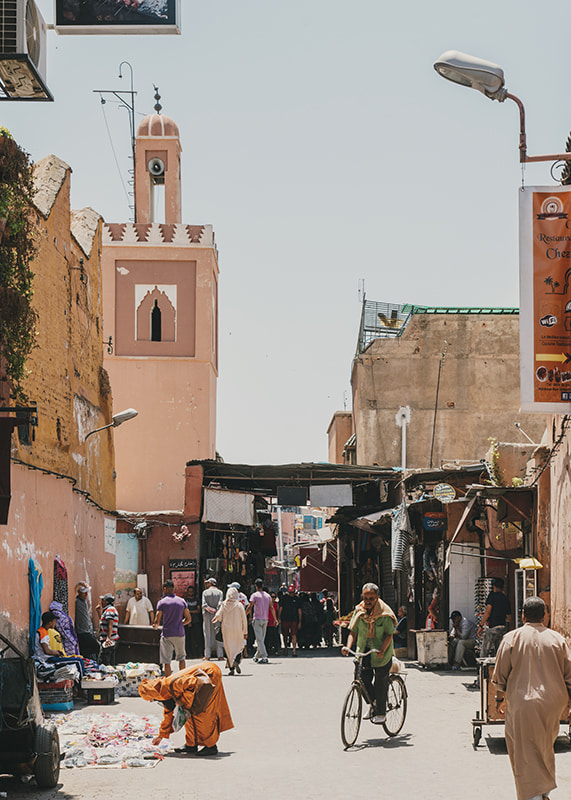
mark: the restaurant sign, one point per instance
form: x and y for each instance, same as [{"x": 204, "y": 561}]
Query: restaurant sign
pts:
[{"x": 545, "y": 299}]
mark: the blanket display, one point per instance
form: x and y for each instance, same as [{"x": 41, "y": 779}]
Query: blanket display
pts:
[{"x": 109, "y": 740}]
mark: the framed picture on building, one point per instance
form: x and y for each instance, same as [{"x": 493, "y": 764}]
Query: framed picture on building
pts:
[{"x": 182, "y": 579}]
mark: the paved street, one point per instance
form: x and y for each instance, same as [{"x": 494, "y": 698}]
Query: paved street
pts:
[{"x": 286, "y": 744}]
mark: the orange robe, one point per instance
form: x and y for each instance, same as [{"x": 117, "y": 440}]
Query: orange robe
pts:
[{"x": 200, "y": 729}]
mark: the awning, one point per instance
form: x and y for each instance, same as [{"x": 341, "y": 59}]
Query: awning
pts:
[{"x": 228, "y": 507}]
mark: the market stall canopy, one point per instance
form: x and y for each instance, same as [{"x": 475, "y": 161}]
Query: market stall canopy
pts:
[{"x": 364, "y": 486}]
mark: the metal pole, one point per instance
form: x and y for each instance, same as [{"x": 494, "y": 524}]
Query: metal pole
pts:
[
  {"x": 280, "y": 541},
  {"x": 403, "y": 446},
  {"x": 436, "y": 400}
]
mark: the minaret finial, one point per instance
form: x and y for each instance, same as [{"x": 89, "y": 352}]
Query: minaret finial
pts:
[{"x": 158, "y": 107}]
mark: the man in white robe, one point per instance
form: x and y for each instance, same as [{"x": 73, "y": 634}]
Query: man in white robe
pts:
[{"x": 533, "y": 675}]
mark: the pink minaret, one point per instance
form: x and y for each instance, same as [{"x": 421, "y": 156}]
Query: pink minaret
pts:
[{"x": 160, "y": 304}]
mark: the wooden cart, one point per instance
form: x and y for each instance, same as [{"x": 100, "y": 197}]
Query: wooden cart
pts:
[{"x": 489, "y": 713}]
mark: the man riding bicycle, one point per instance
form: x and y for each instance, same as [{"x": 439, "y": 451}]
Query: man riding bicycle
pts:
[{"x": 372, "y": 626}]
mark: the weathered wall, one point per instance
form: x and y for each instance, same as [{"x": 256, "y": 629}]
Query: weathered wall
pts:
[
  {"x": 339, "y": 431},
  {"x": 561, "y": 532},
  {"x": 478, "y": 398},
  {"x": 67, "y": 379},
  {"x": 57, "y": 474},
  {"x": 48, "y": 518}
]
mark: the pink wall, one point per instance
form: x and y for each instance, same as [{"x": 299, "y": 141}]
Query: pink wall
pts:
[
  {"x": 47, "y": 518},
  {"x": 173, "y": 388}
]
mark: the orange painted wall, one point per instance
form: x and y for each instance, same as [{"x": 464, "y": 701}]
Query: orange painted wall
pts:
[{"x": 50, "y": 511}]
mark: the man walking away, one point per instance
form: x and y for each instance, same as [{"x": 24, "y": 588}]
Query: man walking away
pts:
[
  {"x": 533, "y": 675},
  {"x": 290, "y": 618},
  {"x": 497, "y": 615},
  {"x": 372, "y": 626},
  {"x": 261, "y": 606},
  {"x": 462, "y": 638},
  {"x": 211, "y": 602},
  {"x": 174, "y": 615}
]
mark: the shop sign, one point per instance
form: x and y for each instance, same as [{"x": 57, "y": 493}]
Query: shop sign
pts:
[
  {"x": 444, "y": 492},
  {"x": 434, "y": 521},
  {"x": 182, "y": 563},
  {"x": 545, "y": 299}
]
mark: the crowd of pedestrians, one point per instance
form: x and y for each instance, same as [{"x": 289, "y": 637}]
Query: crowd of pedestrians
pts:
[{"x": 261, "y": 623}]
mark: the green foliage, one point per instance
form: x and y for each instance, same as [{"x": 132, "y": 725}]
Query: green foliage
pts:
[
  {"x": 17, "y": 248},
  {"x": 496, "y": 473}
]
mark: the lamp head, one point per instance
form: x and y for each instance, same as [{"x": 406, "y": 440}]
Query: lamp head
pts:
[
  {"x": 123, "y": 416},
  {"x": 473, "y": 72}
]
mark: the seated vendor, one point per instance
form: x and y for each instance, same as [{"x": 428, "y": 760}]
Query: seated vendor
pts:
[
  {"x": 400, "y": 634},
  {"x": 48, "y": 648}
]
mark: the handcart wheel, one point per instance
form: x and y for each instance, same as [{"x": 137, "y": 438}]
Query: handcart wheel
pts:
[
  {"x": 48, "y": 756},
  {"x": 476, "y": 735}
]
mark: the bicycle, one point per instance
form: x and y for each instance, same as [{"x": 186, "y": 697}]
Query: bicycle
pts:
[{"x": 353, "y": 705}]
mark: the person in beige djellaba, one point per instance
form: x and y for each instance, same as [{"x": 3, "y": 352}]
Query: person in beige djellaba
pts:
[
  {"x": 533, "y": 676},
  {"x": 234, "y": 625}
]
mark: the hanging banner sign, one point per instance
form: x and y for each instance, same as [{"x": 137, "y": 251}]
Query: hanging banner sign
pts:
[
  {"x": 117, "y": 16},
  {"x": 545, "y": 299}
]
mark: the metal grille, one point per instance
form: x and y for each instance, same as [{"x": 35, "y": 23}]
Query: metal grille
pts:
[
  {"x": 381, "y": 321},
  {"x": 8, "y": 26}
]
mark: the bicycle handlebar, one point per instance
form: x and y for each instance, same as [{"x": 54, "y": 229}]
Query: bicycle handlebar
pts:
[{"x": 360, "y": 655}]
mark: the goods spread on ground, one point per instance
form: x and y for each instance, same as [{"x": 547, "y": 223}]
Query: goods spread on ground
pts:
[{"x": 109, "y": 740}]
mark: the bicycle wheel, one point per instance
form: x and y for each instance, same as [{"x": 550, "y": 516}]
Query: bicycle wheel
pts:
[
  {"x": 396, "y": 705},
  {"x": 351, "y": 716}
]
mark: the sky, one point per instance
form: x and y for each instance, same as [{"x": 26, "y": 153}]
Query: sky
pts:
[{"x": 325, "y": 150}]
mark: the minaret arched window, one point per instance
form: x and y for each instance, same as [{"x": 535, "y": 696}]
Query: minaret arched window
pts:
[{"x": 156, "y": 323}]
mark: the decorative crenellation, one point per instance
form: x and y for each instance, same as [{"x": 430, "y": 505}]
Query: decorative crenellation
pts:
[{"x": 157, "y": 233}]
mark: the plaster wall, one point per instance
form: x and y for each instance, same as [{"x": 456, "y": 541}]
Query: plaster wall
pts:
[
  {"x": 560, "y": 534},
  {"x": 47, "y": 518},
  {"x": 478, "y": 397},
  {"x": 339, "y": 431},
  {"x": 66, "y": 376},
  {"x": 173, "y": 391}
]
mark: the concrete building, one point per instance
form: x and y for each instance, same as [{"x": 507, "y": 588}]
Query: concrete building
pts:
[
  {"x": 62, "y": 485},
  {"x": 457, "y": 369},
  {"x": 160, "y": 301}
]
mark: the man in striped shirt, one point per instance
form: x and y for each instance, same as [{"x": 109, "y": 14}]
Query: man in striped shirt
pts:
[{"x": 108, "y": 629}]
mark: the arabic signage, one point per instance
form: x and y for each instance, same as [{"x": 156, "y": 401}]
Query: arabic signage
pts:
[
  {"x": 444, "y": 492},
  {"x": 117, "y": 16},
  {"x": 545, "y": 299}
]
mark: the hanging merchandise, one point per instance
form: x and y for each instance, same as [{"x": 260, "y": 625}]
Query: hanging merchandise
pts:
[
  {"x": 60, "y": 583},
  {"x": 401, "y": 535},
  {"x": 36, "y": 582}
]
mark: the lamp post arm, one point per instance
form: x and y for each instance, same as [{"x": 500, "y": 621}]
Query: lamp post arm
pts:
[
  {"x": 523, "y": 157},
  {"x": 522, "y": 136},
  {"x": 97, "y": 430}
]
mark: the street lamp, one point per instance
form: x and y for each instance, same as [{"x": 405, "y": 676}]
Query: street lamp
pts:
[
  {"x": 488, "y": 78},
  {"x": 118, "y": 419}
]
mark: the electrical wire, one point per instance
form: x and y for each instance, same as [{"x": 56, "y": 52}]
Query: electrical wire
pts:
[{"x": 114, "y": 153}]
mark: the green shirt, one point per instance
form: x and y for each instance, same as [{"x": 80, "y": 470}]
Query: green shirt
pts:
[{"x": 383, "y": 626}]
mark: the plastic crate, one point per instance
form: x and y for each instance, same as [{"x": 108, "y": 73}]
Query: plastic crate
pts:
[
  {"x": 54, "y": 695},
  {"x": 58, "y": 706},
  {"x": 101, "y": 696}
]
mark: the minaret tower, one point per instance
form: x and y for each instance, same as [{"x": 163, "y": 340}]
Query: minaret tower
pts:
[{"x": 160, "y": 304}]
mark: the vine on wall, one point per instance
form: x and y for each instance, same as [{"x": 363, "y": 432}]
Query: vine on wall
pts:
[{"x": 17, "y": 249}]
